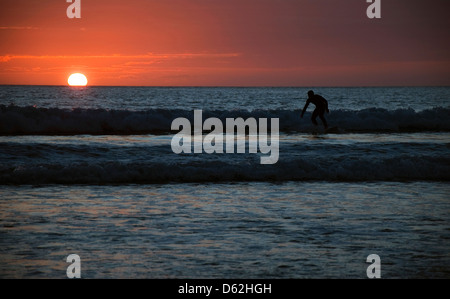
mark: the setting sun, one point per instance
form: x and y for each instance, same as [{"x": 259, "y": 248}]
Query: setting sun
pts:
[{"x": 77, "y": 79}]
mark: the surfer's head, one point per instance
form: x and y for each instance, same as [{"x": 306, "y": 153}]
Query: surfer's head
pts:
[{"x": 310, "y": 93}]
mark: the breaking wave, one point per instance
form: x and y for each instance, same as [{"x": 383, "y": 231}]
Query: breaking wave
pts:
[
  {"x": 403, "y": 168},
  {"x": 15, "y": 120}
]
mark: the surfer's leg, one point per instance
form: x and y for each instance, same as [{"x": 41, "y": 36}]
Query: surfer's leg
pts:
[
  {"x": 314, "y": 116},
  {"x": 323, "y": 120}
]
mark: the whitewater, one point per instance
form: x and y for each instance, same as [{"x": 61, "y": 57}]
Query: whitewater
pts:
[
  {"x": 89, "y": 135},
  {"x": 28, "y": 120}
]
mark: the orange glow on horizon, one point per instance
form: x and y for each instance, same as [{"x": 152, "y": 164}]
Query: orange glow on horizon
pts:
[{"x": 225, "y": 43}]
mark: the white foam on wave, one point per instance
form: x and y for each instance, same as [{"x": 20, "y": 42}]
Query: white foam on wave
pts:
[
  {"x": 16, "y": 120},
  {"x": 402, "y": 167}
]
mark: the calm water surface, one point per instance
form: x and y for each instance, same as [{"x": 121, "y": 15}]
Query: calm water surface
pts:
[{"x": 241, "y": 230}]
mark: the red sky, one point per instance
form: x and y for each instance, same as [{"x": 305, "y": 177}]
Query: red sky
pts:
[{"x": 226, "y": 43}]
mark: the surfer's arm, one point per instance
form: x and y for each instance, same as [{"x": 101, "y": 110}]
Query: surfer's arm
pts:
[{"x": 304, "y": 108}]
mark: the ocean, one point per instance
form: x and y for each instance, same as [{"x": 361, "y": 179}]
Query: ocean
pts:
[{"x": 91, "y": 171}]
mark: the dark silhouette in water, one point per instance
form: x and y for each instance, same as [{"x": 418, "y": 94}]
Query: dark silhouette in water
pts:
[{"x": 321, "y": 107}]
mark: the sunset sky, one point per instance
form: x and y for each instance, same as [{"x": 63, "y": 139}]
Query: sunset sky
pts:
[{"x": 226, "y": 43}]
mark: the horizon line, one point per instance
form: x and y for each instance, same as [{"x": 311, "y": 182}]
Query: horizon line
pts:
[{"x": 231, "y": 86}]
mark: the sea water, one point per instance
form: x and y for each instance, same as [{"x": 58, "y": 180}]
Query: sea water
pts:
[{"x": 90, "y": 171}]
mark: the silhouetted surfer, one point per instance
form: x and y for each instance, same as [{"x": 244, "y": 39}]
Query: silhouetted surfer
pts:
[{"x": 321, "y": 107}]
